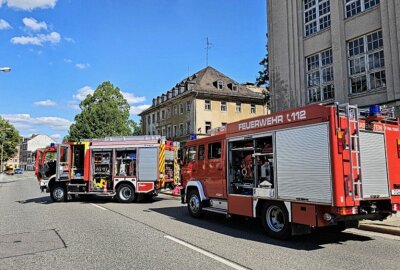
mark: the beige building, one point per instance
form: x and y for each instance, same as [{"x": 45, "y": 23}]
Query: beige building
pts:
[
  {"x": 206, "y": 100},
  {"x": 28, "y": 149},
  {"x": 334, "y": 50}
]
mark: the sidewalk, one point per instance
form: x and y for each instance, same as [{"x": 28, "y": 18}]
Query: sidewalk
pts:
[{"x": 391, "y": 225}]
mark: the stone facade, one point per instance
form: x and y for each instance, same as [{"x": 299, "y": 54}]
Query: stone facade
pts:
[{"x": 323, "y": 51}]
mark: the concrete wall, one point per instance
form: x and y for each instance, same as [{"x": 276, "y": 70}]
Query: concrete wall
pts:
[{"x": 288, "y": 49}]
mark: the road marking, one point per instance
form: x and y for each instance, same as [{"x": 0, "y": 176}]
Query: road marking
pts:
[
  {"x": 98, "y": 206},
  {"x": 206, "y": 253}
]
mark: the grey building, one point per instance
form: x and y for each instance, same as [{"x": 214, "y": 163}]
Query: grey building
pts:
[{"x": 334, "y": 50}]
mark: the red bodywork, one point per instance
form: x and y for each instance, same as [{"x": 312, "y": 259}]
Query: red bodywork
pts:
[{"x": 213, "y": 173}]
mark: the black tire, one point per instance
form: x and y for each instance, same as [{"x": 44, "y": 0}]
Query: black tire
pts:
[
  {"x": 194, "y": 204},
  {"x": 125, "y": 193},
  {"x": 58, "y": 193},
  {"x": 275, "y": 220}
]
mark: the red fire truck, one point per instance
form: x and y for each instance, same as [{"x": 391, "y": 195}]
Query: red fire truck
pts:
[
  {"x": 315, "y": 166},
  {"x": 125, "y": 167}
]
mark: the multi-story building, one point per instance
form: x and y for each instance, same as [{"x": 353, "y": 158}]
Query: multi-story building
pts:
[
  {"x": 322, "y": 51},
  {"x": 28, "y": 149},
  {"x": 206, "y": 100}
]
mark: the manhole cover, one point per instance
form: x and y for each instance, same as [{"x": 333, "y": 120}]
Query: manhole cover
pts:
[{"x": 17, "y": 244}]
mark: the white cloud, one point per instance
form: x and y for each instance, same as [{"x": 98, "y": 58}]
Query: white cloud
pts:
[
  {"x": 83, "y": 92},
  {"x": 82, "y": 66},
  {"x": 67, "y": 60},
  {"x": 38, "y": 40},
  {"x": 132, "y": 99},
  {"x": 30, "y": 4},
  {"x": 33, "y": 24},
  {"x": 138, "y": 109},
  {"x": 55, "y": 136},
  {"x": 68, "y": 39},
  {"x": 27, "y": 121},
  {"x": 45, "y": 103},
  {"x": 4, "y": 25}
]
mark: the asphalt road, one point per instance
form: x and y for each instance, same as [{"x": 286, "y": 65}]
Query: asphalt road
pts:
[{"x": 99, "y": 233}]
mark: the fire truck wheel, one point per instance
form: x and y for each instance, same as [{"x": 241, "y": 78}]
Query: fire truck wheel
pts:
[
  {"x": 275, "y": 220},
  {"x": 194, "y": 204},
  {"x": 125, "y": 193},
  {"x": 59, "y": 193}
]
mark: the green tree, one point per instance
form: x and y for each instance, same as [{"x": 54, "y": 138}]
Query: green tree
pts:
[
  {"x": 136, "y": 129},
  {"x": 9, "y": 139},
  {"x": 105, "y": 113},
  {"x": 263, "y": 75}
]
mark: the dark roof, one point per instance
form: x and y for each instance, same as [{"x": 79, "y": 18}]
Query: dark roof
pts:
[{"x": 205, "y": 82}]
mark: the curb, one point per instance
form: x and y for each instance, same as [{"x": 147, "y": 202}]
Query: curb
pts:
[{"x": 379, "y": 229}]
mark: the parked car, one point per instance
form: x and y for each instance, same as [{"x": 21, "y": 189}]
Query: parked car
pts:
[{"x": 19, "y": 171}]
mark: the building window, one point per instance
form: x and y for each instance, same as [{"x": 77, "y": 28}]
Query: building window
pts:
[
  {"x": 181, "y": 108},
  {"x": 180, "y": 129},
  {"x": 163, "y": 114},
  {"x": 238, "y": 107},
  {"x": 188, "y": 106},
  {"x": 317, "y": 16},
  {"x": 234, "y": 87},
  {"x": 168, "y": 112},
  {"x": 153, "y": 118},
  {"x": 168, "y": 132},
  {"x": 366, "y": 63},
  {"x": 148, "y": 119},
  {"x": 223, "y": 106},
  {"x": 208, "y": 127},
  {"x": 252, "y": 108},
  {"x": 320, "y": 77},
  {"x": 207, "y": 105},
  {"x": 188, "y": 127},
  {"x": 220, "y": 84},
  {"x": 174, "y": 131},
  {"x": 175, "y": 110},
  {"x": 158, "y": 116},
  {"x": 354, "y": 7}
]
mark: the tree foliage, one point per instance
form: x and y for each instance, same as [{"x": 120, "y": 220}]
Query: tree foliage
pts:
[
  {"x": 136, "y": 129},
  {"x": 9, "y": 139},
  {"x": 263, "y": 75},
  {"x": 105, "y": 113}
]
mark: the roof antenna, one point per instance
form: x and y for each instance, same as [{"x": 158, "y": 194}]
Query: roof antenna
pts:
[{"x": 208, "y": 47}]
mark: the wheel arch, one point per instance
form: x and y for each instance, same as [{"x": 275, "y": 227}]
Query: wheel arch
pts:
[
  {"x": 195, "y": 185},
  {"x": 125, "y": 182},
  {"x": 260, "y": 204}
]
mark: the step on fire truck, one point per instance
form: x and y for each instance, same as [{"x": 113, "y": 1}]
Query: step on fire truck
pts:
[
  {"x": 125, "y": 167},
  {"x": 315, "y": 166}
]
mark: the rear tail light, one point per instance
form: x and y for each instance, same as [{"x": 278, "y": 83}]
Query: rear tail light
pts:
[
  {"x": 343, "y": 211},
  {"x": 340, "y": 142},
  {"x": 395, "y": 207}
]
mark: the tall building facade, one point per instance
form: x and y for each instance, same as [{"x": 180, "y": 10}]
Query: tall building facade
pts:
[
  {"x": 321, "y": 51},
  {"x": 28, "y": 149},
  {"x": 206, "y": 100}
]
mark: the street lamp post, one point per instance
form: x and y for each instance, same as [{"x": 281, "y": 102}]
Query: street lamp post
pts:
[{"x": 5, "y": 69}]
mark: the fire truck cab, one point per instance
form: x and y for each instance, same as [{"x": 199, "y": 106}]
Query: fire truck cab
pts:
[
  {"x": 124, "y": 167},
  {"x": 315, "y": 166}
]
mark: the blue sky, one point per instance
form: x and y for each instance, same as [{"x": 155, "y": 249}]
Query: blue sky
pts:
[{"x": 60, "y": 50}]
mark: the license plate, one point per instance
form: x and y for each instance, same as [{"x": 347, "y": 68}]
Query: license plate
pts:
[{"x": 395, "y": 191}]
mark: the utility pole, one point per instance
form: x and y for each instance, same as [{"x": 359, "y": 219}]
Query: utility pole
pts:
[{"x": 208, "y": 47}]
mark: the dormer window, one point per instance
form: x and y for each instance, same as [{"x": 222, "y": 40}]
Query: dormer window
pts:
[
  {"x": 234, "y": 87},
  {"x": 220, "y": 84}
]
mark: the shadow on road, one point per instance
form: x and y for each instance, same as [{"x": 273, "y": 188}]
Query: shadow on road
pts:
[
  {"x": 250, "y": 229},
  {"x": 39, "y": 200}
]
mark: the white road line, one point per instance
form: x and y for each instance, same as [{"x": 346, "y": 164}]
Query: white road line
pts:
[
  {"x": 206, "y": 253},
  {"x": 98, "y": 206}
]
